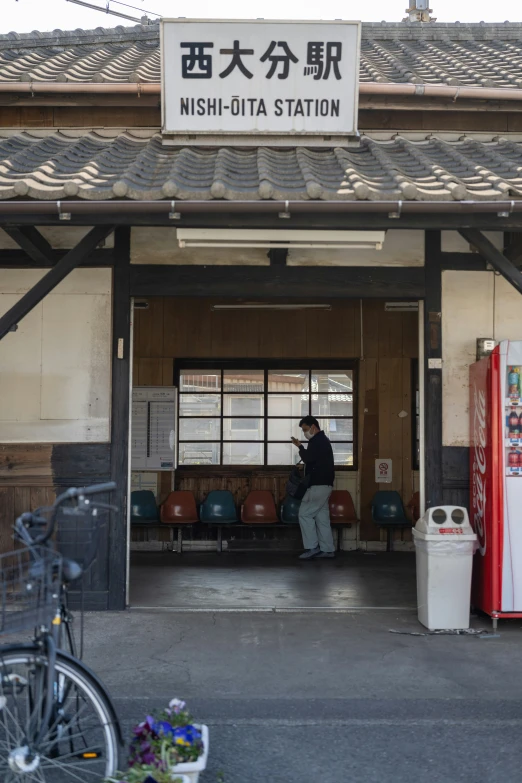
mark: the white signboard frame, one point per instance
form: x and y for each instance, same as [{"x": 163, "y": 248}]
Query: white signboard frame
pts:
[
  {"x": 154, "y": 427},
  {"x": 259, "y": 77},
  {"x": 383, "y": 471}
]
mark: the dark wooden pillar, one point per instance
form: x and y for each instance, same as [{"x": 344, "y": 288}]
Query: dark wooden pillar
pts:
[
  {"x": 433, "y": 368},
  {"x": 120, "y": 415}
]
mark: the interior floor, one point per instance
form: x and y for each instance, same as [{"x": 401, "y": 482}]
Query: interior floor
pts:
[{"x": 269, "y": 580}]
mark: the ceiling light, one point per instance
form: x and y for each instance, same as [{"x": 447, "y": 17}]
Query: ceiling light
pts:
[
  {"x": 275, "y": 306},
  {"x": 291, "y": 238},
  {"x": 401, "y": 307}
]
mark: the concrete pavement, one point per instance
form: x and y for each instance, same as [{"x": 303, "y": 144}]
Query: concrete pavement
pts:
[{"x": 329, "y": 697}]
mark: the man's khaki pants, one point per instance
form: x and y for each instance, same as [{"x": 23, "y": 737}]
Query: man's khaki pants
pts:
[{"x": 314, "y": 519}]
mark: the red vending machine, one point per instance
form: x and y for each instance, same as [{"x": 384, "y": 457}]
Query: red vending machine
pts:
[{"x": 496, "y": 480}]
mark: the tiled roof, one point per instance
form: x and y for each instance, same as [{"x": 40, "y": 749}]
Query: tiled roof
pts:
[
  {"x": 135, "y": 165},
  {"x": 487, "y": 55}
]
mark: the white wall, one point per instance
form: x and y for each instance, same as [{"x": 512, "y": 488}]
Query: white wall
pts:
[
  {"x": 401, "y": 248},
  {"x": 474, "y": 304},
  {"x": 55, "y": 371},
  {"x": 160, "y": 246}
]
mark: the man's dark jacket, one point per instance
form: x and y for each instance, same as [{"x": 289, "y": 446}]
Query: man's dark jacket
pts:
[{"x": 319, "y": 461}]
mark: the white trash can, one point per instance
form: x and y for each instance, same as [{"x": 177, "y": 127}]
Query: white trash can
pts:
[{"x": 444, "y": 545}]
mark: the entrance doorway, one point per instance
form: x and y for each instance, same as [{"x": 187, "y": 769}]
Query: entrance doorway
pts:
[{"x": 243, "y": 379}]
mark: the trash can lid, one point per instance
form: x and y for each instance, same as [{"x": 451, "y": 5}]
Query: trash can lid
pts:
[{"x": 444, "y": 521}]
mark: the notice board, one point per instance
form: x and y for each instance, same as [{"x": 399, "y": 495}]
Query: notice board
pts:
[{"x": 153, "y": 436}]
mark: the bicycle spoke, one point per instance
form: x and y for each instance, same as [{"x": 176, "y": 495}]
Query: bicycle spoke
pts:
[
  {"x": 80, "y": 723},
  {"x": 49, "y": 762},
  {"x": 7, "y": 712},
  {"x": 56, "y": 723}
]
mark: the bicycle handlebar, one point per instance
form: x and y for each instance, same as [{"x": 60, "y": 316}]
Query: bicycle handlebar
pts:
[{"x": 70, "y": 494}]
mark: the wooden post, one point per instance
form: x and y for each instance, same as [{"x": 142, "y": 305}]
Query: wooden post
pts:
[
  {"x": 120, "y": 416},
  {"x": 433, "y": 368}
]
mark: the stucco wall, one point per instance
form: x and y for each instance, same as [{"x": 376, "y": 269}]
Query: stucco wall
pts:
[
  {"x": 474, "y": 304},
  {"x": 55, "y": 371}
]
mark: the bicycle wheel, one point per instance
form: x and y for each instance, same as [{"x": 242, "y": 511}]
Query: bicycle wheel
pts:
[{"x": 80, "y": 742}]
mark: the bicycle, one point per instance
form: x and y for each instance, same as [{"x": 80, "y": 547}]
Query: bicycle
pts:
[{"x": 57, "y": 720}]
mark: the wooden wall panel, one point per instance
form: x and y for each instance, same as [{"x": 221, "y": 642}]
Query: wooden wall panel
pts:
[
  {"x": 32, "y": 476},
  {"x": 394, "y": 431},
  {"x": 368, "y": 444},
  {"x": 239, "y": 484},
  {"x": 410, "y": 335},
  {"x": 370, "y": 345},
  {"x": 13, "y": 502},
  {"x": 82, "y": 116},
  {"x": 26, "y": 464},
  {"x": 7, "y": 517},
  {"x": 390, "y": 333}
]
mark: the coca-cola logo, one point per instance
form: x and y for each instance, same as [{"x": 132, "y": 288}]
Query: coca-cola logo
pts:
[{"x": 479, "y": 467}]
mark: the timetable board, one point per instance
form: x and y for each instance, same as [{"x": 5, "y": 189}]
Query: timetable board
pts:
[{"x": 153, "y": 440}]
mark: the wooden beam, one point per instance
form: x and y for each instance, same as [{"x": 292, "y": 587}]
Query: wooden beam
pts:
[
  {"x": 120, "y": 417},
  {"x": 105, "y": 257},
  {"x": 468, "y": 262},
  {"x": 433, "y": 368},
  {"x": 513, "y": 251},
  {"x": 281, "y": 281},
  {"x": 52, "y": 278},
  {"x": 32, "y": 242},
  {"x": 19, "y": 259},
  {"x": 495, "y": 257}
]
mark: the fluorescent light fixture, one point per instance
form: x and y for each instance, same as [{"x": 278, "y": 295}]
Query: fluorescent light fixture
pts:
[
  {"x": 263, "y": 306},
  {"x": 401, "y": 307},
  {"x": 291, "y": 238}
]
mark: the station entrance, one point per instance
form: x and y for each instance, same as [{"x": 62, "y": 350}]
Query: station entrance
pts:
[{"x": 235, "y": 377}]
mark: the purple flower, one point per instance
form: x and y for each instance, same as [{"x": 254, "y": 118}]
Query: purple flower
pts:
[{"x": 177, "y": 705}]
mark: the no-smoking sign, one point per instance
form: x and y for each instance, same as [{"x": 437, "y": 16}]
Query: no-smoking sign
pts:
[{"x": 383, "y": 471}]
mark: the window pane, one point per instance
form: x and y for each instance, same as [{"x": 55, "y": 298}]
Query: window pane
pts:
[
  {"x": 243, "y": 429},
  {"x": 199, "y": 380},
  {"x": 199, "y": 404},
  {"x": 243, "y": 380},
  {"x": 288, "y": 405},
  {"x": 198, "y": 454},
  {"x": 340, "y": 381},
  {"x": 332, "y": 404},
  {"x": 243, "y": 453},
  {"x": 239, "y": 405},
  {"x": 337, "y": 429},
  {"x": 199, "y": 429},
  {"x": 284, "y": 429},
  {"x": 288, "y": 380},
  {"x": 282, "y": 454},
  {"x": 343, "y": 453}
]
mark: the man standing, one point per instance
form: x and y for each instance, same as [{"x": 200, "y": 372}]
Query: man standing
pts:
[{"x": 314, "y": 513}]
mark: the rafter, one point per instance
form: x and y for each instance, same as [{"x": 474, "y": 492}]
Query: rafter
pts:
[
  {"x": 494, "y": 256},
  {"x": 29, "y": 239},
  {"x": 54, "y": 276}
]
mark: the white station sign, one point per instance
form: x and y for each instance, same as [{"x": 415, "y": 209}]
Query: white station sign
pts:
[{"x": 259, "y": 77}]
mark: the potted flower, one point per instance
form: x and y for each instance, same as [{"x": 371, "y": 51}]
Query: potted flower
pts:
[{"x": 167, "y": 747}]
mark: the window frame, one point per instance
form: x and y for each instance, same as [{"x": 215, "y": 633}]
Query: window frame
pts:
[
  {"x": 223, "y": 365},
  {"x": 415, "y": 415}
]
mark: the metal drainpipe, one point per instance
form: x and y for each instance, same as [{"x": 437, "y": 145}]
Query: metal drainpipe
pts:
[
  {"x": 66, "y": 209},
  {"x": 365, "y": 88}
]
